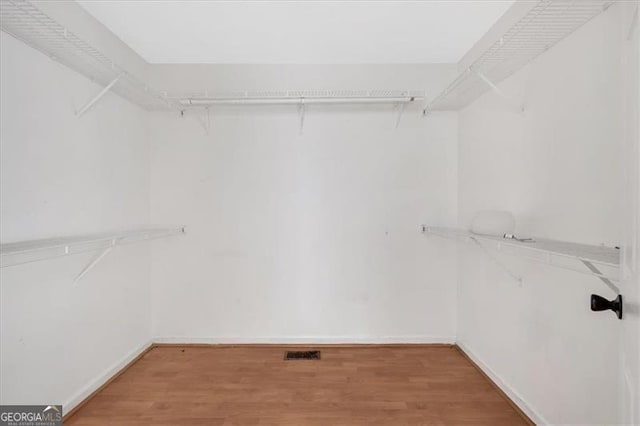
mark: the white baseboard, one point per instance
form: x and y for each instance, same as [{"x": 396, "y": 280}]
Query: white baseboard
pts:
[
  {"x": 517, "y": 399},
  {"x": 103, "y": 378},
  {"x": 307, "y": 340}
]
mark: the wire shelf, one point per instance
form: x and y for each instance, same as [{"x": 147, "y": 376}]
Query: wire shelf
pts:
[
  {"x": 542, "y": 27},
  {"x": 297, "y": 96},
  {"x": 36, "y": 250},
  {"x": 24, "y": 21},
  {"x": 562, "y": 254}
]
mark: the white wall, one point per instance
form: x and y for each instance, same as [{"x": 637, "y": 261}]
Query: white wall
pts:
[
  {"x": 311, "y": 237},
  {"x": 557, "y": 167},
  {"x": 61, "y": 175}
]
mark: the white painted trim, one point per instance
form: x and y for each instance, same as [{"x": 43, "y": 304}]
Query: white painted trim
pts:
[
  {"x": 517, "y": 399},
  {"x": 103, "y": 378},
  {"x": 306, "y": 340}
]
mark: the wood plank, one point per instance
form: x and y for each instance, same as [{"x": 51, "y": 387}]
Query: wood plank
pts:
[{"x": 351, "y": 385}]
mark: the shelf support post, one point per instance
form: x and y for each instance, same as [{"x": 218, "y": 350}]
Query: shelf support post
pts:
[{"x": 99, "y": 96}]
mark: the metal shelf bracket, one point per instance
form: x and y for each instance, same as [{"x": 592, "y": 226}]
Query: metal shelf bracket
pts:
[
  {"x": 96, "y": 98},
  {"x": 93, "y": 263},
  {"x": 593, "y": 268},
  {"x": 425, "y": 230},
  {"x": 206, "y": 121},
  {"x": 302, "y": 109},
  {"x": 508, "y": 99},
  {"x": 633, "y": 25},
  {"x": 400, "y": 112},
  {"x": 495, "y": 260}
]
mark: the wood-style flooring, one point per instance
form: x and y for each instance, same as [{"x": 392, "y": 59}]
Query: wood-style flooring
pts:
[{"x": 254, "y": 385}]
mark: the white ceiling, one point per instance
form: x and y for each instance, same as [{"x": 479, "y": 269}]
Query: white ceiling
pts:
[{"x": 311, "y": 32}]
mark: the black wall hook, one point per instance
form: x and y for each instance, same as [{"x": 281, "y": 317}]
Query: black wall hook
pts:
[{"x": 599, "y": 303}]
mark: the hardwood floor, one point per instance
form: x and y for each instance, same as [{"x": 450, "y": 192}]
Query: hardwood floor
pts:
[{"x": 367, "y": 385}]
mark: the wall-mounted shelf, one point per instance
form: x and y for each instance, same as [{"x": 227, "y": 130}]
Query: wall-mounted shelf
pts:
[
  {"x": 35, "y": 250},
  {"x": 544, "y": 25},
  {"x": 28, "y": 23},
  {"x": 583, "y": 258},
  {"x": 299, "y": 98}
]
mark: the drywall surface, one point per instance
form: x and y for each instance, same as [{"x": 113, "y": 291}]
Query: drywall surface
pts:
[
  {"x": 557, "y": 168},
  {"x": 304, "y": 237},
  {"x": 60, "y": 176}
]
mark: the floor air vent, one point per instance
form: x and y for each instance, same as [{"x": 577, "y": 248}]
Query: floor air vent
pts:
[{"x": 294, "y": 355}]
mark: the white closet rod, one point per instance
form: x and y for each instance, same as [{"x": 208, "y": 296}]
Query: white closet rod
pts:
[{"x": 299, "y": 100}]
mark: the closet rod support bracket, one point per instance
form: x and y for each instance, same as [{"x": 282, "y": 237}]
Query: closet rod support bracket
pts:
[
  {"x": 400, "y": 112},
  {"x": 497, "y": 262},
  {"x": 96, "y": 98},
  {"x": 512, "y": 102},
  {"x": 634, "y": 23},
  {"x": 594, "y": 269},
  {"x": 302, "y": 109},
  {"x": 94, "y": 262},
  {"x": 205, "y": 121},
  {"x": 427, "y": 230}
]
